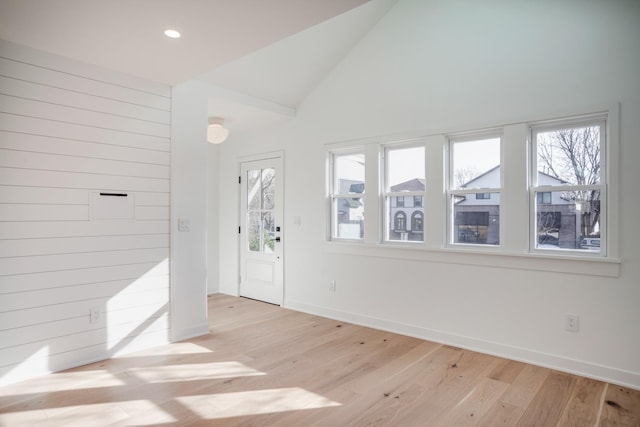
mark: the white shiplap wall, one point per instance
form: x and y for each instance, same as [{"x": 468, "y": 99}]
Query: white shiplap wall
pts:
[{"x": 67, "y": 130}]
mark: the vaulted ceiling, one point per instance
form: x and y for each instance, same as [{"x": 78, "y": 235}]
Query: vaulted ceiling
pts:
[{"x": 261, "y": 57}]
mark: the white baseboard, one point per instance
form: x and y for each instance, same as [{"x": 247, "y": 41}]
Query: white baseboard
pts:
[{"x": 533, "y": 357}]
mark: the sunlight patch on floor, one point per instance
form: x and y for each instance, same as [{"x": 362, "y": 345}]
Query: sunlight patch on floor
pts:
[
  {"x": 65, "y": 381},
  {"x": 254, "y": 402},
  {"x": 87, "y": 415},
  {"x": 193, "y": 371},
  {"x": 167, "y": 350}
]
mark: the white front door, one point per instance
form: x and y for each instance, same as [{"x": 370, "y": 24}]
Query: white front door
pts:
[{"x": 261, "y": 234}]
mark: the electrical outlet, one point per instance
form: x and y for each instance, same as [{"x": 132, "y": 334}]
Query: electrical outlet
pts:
[
  {"x": 94, "y": 314},
  {"x": 571, "y": 322},
  {"x": 332, "y": 285}
]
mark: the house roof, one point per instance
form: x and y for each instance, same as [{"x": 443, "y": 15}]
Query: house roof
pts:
[
  {"x": 497, "y": 168},
  {"x": 415, "y": 184}
]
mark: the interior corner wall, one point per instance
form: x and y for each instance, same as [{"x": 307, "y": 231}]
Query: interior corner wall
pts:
[
  {"x": 213, "y": 201},
  {"x": 434, "y": 66},
  {"x": 79, "y": 283},
  {"x": 189, "y": 211}
]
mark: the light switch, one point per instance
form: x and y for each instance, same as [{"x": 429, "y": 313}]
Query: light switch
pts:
[{"x": 184, "y": 224}]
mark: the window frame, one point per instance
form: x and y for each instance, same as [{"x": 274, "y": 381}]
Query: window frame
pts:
[
  {"x": 452, "y": 192},
  {"x": 386, "y": 195},
  {"x": 516, "y": 231},
  {"x": 602, "y": 121},
  {"x": 335, "y": 194},
  {"x": 542, "y": 198}
]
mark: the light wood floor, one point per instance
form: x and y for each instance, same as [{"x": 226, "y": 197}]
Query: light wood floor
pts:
[{"x": 266, "y": 366}]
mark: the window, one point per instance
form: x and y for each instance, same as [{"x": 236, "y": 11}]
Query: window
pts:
[
  {"x": 543, "y": 198},
  {"x": 404, "y": 186},
  {"x": 474, "y": 190},
  {"x": 261, "y": 188},
  {"x": 568, "y": 185},
  {"x": 471, "y": 180},
  {"x": 472, "y": 227},
  {"x": 400, "y": 222},
  {"x": 347, "y": 202},
  {"x": 416, "y": 222}
]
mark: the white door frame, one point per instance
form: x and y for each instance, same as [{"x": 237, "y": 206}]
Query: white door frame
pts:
[{"x": 279, "y": 155}]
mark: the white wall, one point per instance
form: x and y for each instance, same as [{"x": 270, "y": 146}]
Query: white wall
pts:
[
  {"x": 432, "y": 66},
  {"x": 212, "y": 198},
  {"x": 67, "y": 130},
  {"x": 189, "y": 150}
]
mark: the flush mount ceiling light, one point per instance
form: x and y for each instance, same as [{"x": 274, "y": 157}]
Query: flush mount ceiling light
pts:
[
  {"x": 216, "y": 132},
  {"x": 172, "y": 34}
]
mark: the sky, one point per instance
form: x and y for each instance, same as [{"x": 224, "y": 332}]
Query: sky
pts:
[
  {"x": 480, "y": 155},
  {"x": 408, "y": 163}
]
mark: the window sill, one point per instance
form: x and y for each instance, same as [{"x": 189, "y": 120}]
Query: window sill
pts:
[{"x": 583, "y": 265}]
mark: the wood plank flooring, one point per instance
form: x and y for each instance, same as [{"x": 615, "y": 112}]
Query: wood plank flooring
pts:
[{"x": 262, "y": 365}]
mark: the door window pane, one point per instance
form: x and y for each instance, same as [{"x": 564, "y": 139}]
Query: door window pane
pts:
[
  {"x": 260, "y": 210},
  {"x": 268, "y": 232},
  {"x": 268, "y": 188},
  {"x": 253, "y": 231},
  {"x": 254, "y": 193}
]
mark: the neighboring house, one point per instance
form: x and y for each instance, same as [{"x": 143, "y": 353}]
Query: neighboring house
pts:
[
  {"x": 351, "y": 210},
  {"x": 476, "y": 217},
  {"x": 406, "y": 213}
]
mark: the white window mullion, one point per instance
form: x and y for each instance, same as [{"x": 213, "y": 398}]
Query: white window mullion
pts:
[
  {"x": 435, "y": 223},
  {"x": 514, "y": 200},
  {"x": 371, "y": 195}
]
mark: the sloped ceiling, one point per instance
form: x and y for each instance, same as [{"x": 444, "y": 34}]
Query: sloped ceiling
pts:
[
  {"x": 286, "y": 71},
  {"x": 266, "y": 86},
  {"x": 261, "y": 57}
]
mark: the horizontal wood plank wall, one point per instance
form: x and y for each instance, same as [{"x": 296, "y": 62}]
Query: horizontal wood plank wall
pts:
[{"x": 68, "y": 130}]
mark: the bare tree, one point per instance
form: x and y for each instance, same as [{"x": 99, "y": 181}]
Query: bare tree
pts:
[
  {"x": 462, "y": 176},
  {"x": 261, "y": 193},
  {"x": 548, "y": 224},
  {"x": 573, "y": 156}
]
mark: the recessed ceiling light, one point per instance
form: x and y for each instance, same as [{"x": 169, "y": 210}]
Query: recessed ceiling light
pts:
[{"x": 172, "y": 34}]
